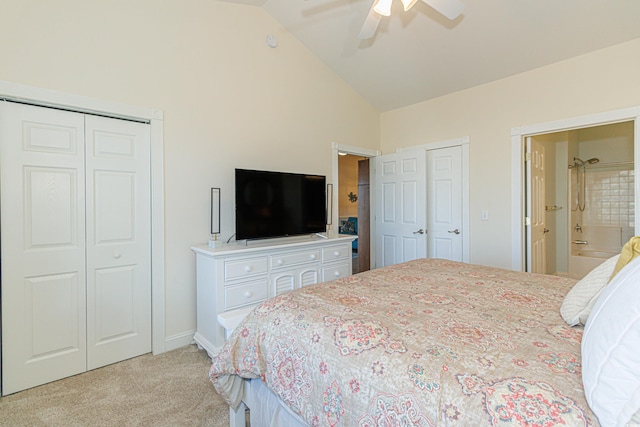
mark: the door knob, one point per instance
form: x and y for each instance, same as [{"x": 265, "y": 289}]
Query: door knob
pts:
[
  {"x": 456, "y": 231},
  {"x": 545, "y": 230},
  {"x": 421, "y": 231}
]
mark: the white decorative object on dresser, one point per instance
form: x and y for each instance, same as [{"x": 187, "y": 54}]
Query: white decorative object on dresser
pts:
[{"x": 232, "y": 279}]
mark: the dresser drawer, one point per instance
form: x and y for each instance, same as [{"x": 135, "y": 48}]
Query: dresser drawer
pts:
[
  {"x": 334, "y": 253},
  {"x": 336, "y": 271},
  {"x": 246, "y": 293},
  {"x": 245, "y": 268},
  {"x": 294, "y": 258}
]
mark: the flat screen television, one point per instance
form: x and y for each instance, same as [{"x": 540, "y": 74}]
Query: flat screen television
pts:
[{"x": 279, "y": 204}]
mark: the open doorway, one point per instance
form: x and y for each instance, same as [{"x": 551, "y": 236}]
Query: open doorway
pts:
[
  {"x": 519, "y": 215},
  {"x": 354, "y": 206},
  {"x": 364, "y": 200},
  {"x": 581, "y": 201}
]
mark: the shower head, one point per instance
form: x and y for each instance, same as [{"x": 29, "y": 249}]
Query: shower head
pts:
[{"x": 578, "y": 162}]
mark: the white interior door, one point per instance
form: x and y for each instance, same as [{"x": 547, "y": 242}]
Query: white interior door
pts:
[
  {"x": 118, "y": 240},
  {"x": 43, "y": 245},
  {"x": 444, "y": 195},
  {"x": 400, "y": 207},
  {"x": 75, "y": 243},
  {"x": 536, "y": 230}
]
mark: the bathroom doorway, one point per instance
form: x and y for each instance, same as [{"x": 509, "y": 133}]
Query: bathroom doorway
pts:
[
  {"x": 354, "y": 206},
  {"x": 588, "y": 196}
]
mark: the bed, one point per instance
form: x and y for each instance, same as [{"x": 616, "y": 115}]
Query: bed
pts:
[{"x": 424, "y": 343}]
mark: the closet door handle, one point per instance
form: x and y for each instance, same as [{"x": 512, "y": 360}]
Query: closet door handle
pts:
[{"x": 456, "y": 231}]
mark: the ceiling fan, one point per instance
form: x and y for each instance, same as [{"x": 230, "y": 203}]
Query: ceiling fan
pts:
[{"x": 449, "y": 8}]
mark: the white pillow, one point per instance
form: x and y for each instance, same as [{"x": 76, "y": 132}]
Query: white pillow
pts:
[
  {"x": 611, "y": 350},
  {"x": 580, "y": 300}
]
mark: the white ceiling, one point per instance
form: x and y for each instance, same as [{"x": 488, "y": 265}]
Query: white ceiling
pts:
[{"x": 419, "y": 54}]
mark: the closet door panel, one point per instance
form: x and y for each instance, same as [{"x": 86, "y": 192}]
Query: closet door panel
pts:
[
  {"x": 42, "y": 245},
  {"x": 50, "y": 207},
  {"x": 118, "y": 240},
  {"x": 52, "y": 329},
  {"x": 115, "y": 221},
  {"x": 115, "y": 295}
]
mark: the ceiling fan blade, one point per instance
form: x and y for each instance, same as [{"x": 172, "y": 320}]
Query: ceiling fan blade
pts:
[
  {"x": 370, "y": 25},
  {"x": 449, "y": 8}
]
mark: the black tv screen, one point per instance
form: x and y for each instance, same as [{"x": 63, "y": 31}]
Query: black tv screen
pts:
[{"x": 277, "y": 204}]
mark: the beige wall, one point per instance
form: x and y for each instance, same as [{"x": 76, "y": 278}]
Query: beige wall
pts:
[
  {"x": 599, "y": 81},
  {"x": 347, "y": 183},
  {"x": 610, "y": 143},
  {"x": 228, "y": 100}
]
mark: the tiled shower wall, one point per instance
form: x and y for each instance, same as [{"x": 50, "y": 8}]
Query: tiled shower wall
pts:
[{"x": 609, "y": 198}]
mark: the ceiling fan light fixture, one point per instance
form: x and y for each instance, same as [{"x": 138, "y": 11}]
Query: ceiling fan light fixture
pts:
[
  {"x": 383, "y": 7},
  {"x": 408, "y": 4},
  {"x": 449, "y": 8},
  {"x": 370, "y": 25}
]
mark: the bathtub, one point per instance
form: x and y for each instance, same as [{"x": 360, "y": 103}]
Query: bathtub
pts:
[
  {"x": 603, "y": 242},
  {"x": 592, "y": 253},
  {"x": 586, "y": 260}
]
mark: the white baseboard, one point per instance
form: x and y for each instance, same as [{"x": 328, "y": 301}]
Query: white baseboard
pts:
[{"x": 180, "y": 340}]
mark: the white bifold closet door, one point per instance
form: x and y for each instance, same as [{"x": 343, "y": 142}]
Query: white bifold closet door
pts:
[{"x": 75, "y": 243}]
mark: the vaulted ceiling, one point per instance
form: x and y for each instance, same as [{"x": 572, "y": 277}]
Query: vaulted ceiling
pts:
[{"x": 420, "y": 54}]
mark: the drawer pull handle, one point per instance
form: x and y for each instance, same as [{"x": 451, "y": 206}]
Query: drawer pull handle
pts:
[
  {"x": 279, "y": 262},
  {"x": 337, "y": 274},
  {"x": 117, "y": 255},
  {"x": 248, "y": 268},
  {"x": 313, "y": 256},
  {"x": 248, "y": 294},
  {"x": 336, "y": 253}
]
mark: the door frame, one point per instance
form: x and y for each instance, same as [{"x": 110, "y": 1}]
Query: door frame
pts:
[
  {"x": 356, "y": 151},
  {"x": 518, "y": 136},
  {"x": 154, "y": 117},
  {"x": 463, "y": 142}
]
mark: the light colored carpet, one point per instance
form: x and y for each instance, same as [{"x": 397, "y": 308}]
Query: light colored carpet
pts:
[{"x": 171, "y": 389}]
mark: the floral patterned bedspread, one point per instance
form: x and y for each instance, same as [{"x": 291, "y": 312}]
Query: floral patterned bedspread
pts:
[{"x": 424, "y": 343}]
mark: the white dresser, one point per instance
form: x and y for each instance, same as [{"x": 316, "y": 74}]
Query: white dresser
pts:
[{"x": 233, "y": 277}]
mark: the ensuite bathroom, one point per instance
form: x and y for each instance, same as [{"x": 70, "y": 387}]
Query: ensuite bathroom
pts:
[{"x": 590, "y": 199}]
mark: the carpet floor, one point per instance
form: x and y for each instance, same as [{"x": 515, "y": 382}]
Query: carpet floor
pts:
[{"x": 171, "y": 389}]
